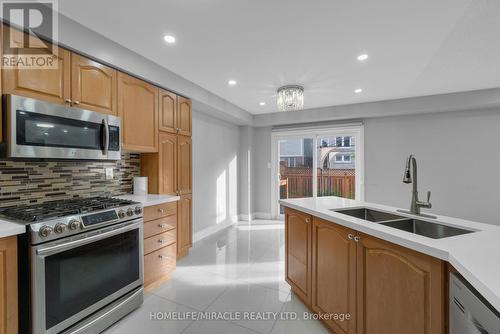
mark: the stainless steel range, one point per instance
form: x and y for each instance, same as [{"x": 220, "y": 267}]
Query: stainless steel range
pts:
[{"x": 81, "y": 264}]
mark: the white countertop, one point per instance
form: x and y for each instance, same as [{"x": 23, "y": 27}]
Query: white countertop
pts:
[
  {"x": 475, "y": 255},
  {"x": 150, "y": 199},
  {"x": 8, "y": 228}
]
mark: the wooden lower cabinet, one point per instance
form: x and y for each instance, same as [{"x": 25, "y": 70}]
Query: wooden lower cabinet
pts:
[
  {"x": 184, "y": 225},
  {"x": 400, "y": 291},
  {"x": 298, "y": 253},
  {"x": 384, "y": 288},
  {"x": 8, "y": 285},
  {"x": 334, "y": 274},
  {"x": 160, "y": 243}
]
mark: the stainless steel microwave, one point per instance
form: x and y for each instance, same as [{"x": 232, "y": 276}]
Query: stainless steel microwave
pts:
[{"x": 43, "y": 130}]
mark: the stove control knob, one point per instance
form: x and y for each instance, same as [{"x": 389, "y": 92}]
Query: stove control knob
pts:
[
  {"x": 45, "y": 231},
  {"x": 121, "y": 214},
  {"x": 138, "y": 210},
  {"x": 73, "y": 224},
  {"x": 60, "y": 228},
  {"x": 130, "y": 212}
]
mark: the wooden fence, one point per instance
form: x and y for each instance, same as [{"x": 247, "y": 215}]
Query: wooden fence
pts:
[{"x": 297, "y": 182}]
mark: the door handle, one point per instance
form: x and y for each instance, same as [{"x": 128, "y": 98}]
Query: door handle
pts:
[
  {"x": 106, "y": 136},
  {"x": 350, "y": 236}
]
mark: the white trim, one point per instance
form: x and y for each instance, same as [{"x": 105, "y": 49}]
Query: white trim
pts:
[
  {"x": 211, "y": 230},
  {"x": 353, "y": 129}
]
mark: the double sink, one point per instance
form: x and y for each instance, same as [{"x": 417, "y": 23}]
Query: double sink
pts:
[{"x": 428, "y": 229}]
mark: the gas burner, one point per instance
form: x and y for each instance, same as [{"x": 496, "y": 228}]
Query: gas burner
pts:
[{"x": 61, "y": 208}]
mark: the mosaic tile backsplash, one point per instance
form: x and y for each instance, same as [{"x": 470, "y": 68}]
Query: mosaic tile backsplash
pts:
[{"x": 25, "y": 182}]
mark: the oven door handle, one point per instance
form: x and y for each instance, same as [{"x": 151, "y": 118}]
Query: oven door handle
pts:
[{"x": 85, "y": 240}]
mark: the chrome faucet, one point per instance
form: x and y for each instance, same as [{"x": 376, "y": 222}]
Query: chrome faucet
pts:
[{"x": 409, "y": 177}]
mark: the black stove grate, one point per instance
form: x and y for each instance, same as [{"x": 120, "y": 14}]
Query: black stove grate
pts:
[{"x": 61, "y": 208}]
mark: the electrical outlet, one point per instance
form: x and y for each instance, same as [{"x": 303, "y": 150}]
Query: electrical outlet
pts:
[{"x": 109, "y": 173}]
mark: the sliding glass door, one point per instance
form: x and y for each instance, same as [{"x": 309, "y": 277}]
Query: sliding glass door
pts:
[
  {"x": 295, "y": 172},
  {"x": 316, "y": 162}
]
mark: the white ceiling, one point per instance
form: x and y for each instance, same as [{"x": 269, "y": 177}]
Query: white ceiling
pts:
[{"x": 416, "y": 47}]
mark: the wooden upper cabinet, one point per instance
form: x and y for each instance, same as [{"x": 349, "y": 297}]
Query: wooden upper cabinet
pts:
[
  {"x": 52, "y": 85},
  {"x": 184, "y": 161},
  {"x": 168, "y": 111},
  {"x": 93, "y": 85},
  {"x": 184, "y": 224},
  {"x": 184, "y": 116},
  {"x": 334, "y": 274},
  {"x": 399, "y": 290},
  {"x": 168, "y": 161},
  {"x": 138, "y": 108},
  {"x": 298, "y": 253},
  {"x": 8, "y": 286}
]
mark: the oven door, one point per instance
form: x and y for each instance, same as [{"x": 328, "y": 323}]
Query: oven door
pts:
[
  {"x": 39, "y": 129},
  {"x": 75, "y": 277}
]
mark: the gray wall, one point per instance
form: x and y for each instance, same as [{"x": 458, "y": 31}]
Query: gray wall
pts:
[
  {"x": 458, "y": 160},
  {"x": 215, "y": 172},
  {"x": 261, "y": 171}
]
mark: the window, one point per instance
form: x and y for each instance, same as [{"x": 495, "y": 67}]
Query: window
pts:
[
  {"x": 338, "y": 142},
  {"x": 342, "y": 158},
  {"x": 347, "y": 141}
]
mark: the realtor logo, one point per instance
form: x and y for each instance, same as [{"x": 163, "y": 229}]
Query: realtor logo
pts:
[{"x": 30, "y": 34}]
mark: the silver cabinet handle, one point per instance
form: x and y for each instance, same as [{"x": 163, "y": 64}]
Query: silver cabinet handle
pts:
[
  {"x": 350, "y": 236},
  {"x": 356, "y": 238},
  {"x": 76, "y": 102},
  {"x": 161, "y": 210},
  {"x": 162, "y": 225},
  {"x": 161, "y": 241},
  {"x": 68, "y": 101},
  {"x": 161, "y": 257},
  {"x": 308, "y": 220}
]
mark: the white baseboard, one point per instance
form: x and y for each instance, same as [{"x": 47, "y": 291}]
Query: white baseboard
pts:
[
  {"x": 219, "y": 227},
  {"x": 211, "y": 230},
  {"x": 262, "y": 215},
  {"x": 255, "y": 215}
]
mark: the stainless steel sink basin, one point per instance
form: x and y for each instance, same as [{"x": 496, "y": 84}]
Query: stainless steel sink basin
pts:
[
  {"x": 426, "y": 229},
  {"x": 369, "y": 214}
]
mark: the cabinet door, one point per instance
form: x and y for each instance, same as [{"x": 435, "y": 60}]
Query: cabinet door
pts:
[
  {"x": 93, "y": 85},
  {"x": 138, "y": 108},
  {"x": 168, "y": 111},
  {"x": 51, "y": 85},
  {"x": 298, "y": 253},
  {"x": 184, "y": 225},
  {"x": 184, "y": 118},
  {"x": 184, "y": 165},
  {"x": 334, "y": 274},
  {"x": 8, "y": 285},
  {"x": 167, "y": 164},
  {"x": 399, "y": 291}
]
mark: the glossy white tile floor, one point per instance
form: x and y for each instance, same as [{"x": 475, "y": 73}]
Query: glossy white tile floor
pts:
[{"x": 238, "y": 269}]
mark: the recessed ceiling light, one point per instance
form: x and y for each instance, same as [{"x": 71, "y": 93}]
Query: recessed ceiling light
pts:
[
  {"x": 262, "y": 103},
  {"x": 358, "y": 90},
  {"x": 231, "y": 82},
  {"x": 169, "y": 39},
  {"x": 363, "y": 57}
]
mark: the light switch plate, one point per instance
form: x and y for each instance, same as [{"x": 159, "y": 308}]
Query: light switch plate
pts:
[{"x": 109, "y": 173}]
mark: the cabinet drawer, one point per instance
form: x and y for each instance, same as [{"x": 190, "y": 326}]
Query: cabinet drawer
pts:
[
  {"x": 158, "y": 226},
  {"x": 159, "y": 211},
  {"x": 159, "y": 264},
  {"x": 159, "y": 241}
]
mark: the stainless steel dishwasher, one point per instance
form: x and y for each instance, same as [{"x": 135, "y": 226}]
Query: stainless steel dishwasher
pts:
[{"x": 470, "y": 313}]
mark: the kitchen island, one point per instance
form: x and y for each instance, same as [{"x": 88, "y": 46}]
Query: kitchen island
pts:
[{"x": 336, "y": 262}]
